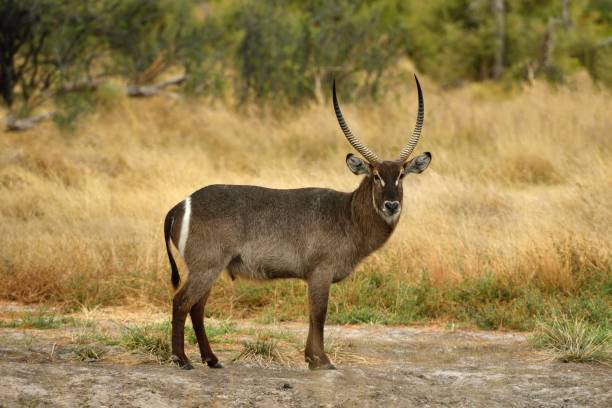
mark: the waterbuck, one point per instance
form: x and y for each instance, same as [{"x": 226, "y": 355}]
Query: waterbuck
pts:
[{"x": 314, "y": 234}]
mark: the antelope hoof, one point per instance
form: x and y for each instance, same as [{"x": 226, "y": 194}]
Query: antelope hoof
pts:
[
  {"x": 328, "y": 366},
  {"x": 182, "y": 363},
  {"x": 317, "y": 364},
  {"x": 212, "y": 362}
]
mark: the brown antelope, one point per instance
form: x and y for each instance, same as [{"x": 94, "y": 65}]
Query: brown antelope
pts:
[{"x": 314, "y": 234}]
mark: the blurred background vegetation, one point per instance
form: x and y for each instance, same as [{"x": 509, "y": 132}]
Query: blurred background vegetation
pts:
[{"x": 287, "y": 51}]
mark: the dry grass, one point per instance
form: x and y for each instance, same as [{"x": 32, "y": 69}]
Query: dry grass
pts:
[
  {"x": 266, "y": 348},
  {"x": 519, "y": 188},
  {"x": 263, "y": 350}
]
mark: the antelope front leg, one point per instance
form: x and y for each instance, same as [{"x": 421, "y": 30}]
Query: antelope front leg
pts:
[{"x": 318, "y": 295}]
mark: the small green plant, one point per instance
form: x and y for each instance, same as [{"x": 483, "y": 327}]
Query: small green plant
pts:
[
  {"x": 359, "y": 315},
  {"x": 71, "y": 107},
  {"x": 214, "y": 332},
  {"x": 572, "y": 339},
  {"x": 90, "y": 352},
  {"x": 10, "y": 324},
  {"x": 90, "y": 334},
  {"x": 149, "y": 339}
]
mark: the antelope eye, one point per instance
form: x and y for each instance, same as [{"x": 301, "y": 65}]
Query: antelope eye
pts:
[{"x": 377, "y": 178}]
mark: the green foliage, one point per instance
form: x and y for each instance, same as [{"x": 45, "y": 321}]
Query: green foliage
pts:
[
  {"x": 292, "y": 50},
  {"x": 43, "y": 43},
  {"x": 207, "y": 55},
  {"x": 289, "y": 51},
  {"x": 71, "y": 106},
  {"x": 147, "y": 37},
  {"x": 454, "y": 40}
]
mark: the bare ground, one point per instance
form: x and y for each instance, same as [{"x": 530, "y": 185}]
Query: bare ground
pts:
[{"x": 377, "y": 366}]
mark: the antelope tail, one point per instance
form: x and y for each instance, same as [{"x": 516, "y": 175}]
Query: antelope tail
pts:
[{"x": 176, "y": 278}]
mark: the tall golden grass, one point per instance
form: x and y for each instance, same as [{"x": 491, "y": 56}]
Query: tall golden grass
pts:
[{"x": 520, "y": 187}]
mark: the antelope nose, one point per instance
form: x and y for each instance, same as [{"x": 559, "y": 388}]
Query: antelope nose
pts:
[{"x": 392, "y": 206}]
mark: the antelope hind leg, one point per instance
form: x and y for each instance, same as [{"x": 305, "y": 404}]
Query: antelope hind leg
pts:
[
  {"x": 197, "y": 319},
  {"x": 198, "y": 285},
  {"x": 179, "y": 315}
]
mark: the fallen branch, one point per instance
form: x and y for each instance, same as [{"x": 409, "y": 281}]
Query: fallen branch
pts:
[
  {"x": 68, "y": 87},
  {"x": 151, "y": 90},
  {"x": 14, "y": 124},
  {"x": 78, "y": 86},
  {"x": 605, "y": 42}
]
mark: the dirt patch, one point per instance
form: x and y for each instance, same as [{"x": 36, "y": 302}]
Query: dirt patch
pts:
[{"x": 377, "y": 366}]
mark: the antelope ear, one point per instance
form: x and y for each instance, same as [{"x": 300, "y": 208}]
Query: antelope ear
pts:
[
  {"x": 356, "y": 165},
  {"x": 418, "y": 164}
]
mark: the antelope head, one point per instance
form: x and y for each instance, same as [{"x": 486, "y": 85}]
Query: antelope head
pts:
[{"x": 385, "y": 177}]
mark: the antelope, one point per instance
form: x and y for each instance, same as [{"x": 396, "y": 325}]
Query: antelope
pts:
[{"x": 314, "y": 234}]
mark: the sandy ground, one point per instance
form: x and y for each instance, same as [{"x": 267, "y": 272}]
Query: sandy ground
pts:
[{"x": 388, "y": 366}]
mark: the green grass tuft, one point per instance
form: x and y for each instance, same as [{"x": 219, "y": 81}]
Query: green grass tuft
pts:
[
  {"x": 359, "y": 315},
  {"x": 573, "y": 339},
  {"x": 263, "y": 350},
  {"x": 38, "y": 320},
  {"x": 214, "y": 332},
  {"x": 90, "y": 352},
  {"x": 150, "y": 339}
]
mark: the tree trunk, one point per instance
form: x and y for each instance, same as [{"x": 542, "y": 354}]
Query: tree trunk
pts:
[
  {"x": 6, "y": 83},
  {"x": 150, "y": 90},
  {"x": 318, "y": 88},
  {"x": 565, "y": 15},
  {"x": 548, "y": 45},
  {"x": 498, "y": 9}
]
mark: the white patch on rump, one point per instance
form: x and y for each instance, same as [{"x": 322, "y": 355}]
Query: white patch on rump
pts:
[{"x": 185, "y": 227}]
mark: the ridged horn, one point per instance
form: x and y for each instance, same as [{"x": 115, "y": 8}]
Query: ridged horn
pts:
[
  {"x": 360, "y": 147},
  {"x": 416, "y": 133}
]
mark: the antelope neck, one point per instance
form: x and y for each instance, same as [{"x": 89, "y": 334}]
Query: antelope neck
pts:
[{"x": 373, "y": 230}]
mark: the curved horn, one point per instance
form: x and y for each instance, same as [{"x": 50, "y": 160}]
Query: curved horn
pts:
[
  {"x": 365, "y": 152},
  {"x": 416, "y": 133}
]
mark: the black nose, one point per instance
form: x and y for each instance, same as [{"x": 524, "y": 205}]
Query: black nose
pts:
[{"x": 392, "y": 205}]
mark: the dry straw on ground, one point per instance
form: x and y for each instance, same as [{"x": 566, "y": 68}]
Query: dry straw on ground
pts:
[{"x": 520, "y": 187}]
